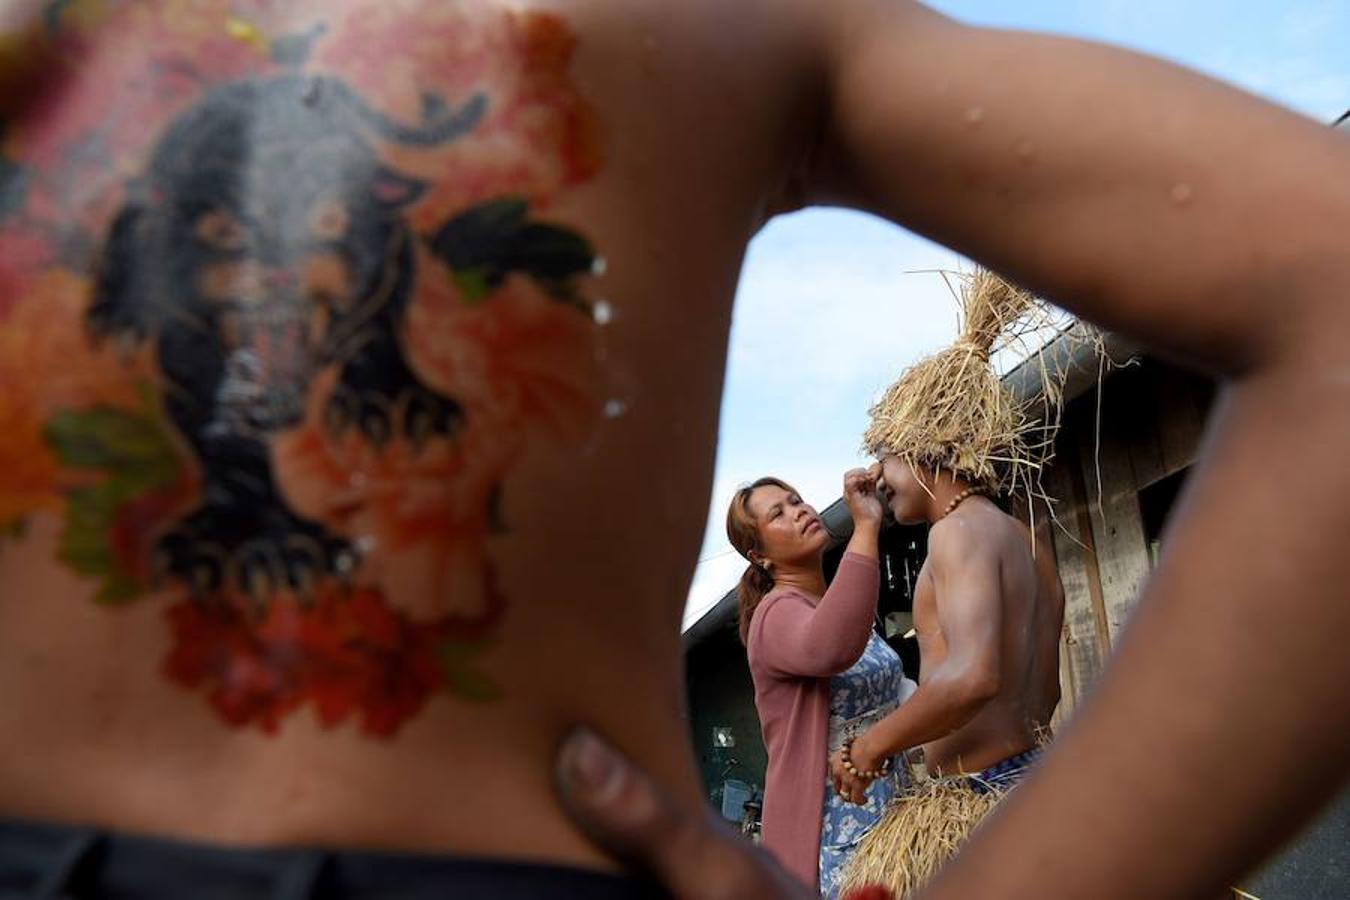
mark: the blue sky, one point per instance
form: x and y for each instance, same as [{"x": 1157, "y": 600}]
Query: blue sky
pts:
[{"x": 826, "y": 314}]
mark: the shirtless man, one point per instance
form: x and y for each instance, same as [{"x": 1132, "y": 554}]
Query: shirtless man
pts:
[
  {"x": 336, "y": 488},
  {"x": 988, "y": 616}
]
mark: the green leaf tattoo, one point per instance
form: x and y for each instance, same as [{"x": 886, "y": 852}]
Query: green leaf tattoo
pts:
[{"x": 137, "y": 456}]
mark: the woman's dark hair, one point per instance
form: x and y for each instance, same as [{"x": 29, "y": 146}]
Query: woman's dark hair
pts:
[{"x": 743, "y": 532}]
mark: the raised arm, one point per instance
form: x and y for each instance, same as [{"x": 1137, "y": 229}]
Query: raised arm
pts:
[
  {"x": 1145, "y": 197},
  {"x": 1210, "y": 226},
  {"x": 818, "y": 641}
]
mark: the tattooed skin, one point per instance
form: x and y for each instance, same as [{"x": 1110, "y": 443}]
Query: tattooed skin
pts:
[
  {"x": 264, "y": 356},
  {"x": 268, "y": 242}
]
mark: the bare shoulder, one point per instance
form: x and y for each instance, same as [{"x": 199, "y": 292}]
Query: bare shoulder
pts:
[{"x": 976, "y": 532}]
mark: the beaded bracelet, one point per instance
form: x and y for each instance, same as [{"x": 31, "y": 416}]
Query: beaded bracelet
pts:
[{"x": 853, "y": 770}]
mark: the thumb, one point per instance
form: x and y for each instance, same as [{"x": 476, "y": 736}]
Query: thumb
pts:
[{"x": 626, "y": 813}]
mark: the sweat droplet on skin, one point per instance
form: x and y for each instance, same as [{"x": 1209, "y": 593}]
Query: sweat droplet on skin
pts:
[
  {"x": 615, "y": 408},
  {"x": 602, "y": 312},
  {"x": 599, "y": 266}
]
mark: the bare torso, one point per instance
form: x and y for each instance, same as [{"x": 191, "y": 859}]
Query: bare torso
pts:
[
  {"x": 1032, "y": 603},
  {"x": 124, "y": 712},
  {"x": 394, "y": 663}
]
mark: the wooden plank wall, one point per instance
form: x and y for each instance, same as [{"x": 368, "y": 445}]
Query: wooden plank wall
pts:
[
  {"x": 1150, "y": 426},
  {"x": 1084, "y": 646}
]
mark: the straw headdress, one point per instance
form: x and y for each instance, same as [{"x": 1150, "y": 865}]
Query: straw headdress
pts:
[{"x": 951, "y": 412}]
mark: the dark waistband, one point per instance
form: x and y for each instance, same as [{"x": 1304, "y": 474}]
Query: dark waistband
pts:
[
  {"x": 1006, "y": 773},
  {"x": 43, "y": 860}
]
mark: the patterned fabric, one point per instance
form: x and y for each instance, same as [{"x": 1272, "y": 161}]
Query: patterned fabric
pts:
[
  {"x": 870, "y": 690},
  {"x": 1004, "y": 776}
]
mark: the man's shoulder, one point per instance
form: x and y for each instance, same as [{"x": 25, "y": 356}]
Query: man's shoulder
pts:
[
  {"x": 967, "y": 527},
  {"x": 983, "y": 533}
]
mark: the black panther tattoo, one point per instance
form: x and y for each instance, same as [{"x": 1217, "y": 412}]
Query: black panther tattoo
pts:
[{"x": 266, "y": 240}]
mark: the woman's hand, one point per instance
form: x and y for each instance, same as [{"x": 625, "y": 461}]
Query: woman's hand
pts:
[
  {"x": 852, "y": 788},
  {"x": 860, "y": 494}
]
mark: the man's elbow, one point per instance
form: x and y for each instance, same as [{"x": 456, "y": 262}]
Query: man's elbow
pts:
[{"x": 977, "y": 687}]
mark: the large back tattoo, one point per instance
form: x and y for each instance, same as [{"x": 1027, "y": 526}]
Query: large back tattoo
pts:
[{"x": 298, "y": 350}]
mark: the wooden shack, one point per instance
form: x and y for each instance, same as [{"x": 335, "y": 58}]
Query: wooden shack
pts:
[{"x": 1128, "y": 437}]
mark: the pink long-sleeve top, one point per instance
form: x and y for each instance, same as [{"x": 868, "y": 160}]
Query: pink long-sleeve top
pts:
[{"x": 796, "y": 643}]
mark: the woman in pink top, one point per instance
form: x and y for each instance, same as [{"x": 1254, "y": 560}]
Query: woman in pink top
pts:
[{"x": 821, "y": 673}]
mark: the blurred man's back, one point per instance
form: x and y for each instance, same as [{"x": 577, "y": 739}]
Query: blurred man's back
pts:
[
  {"x": 335, "y": 477},
  {"x": 360, "y": 362}
]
